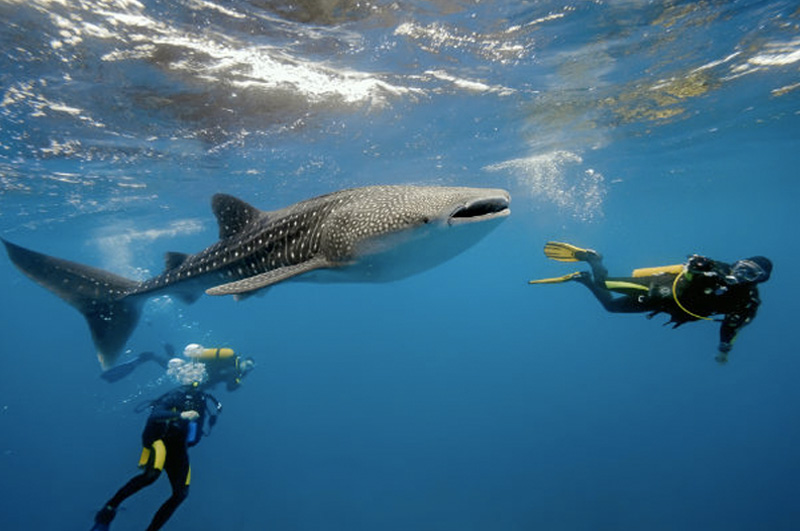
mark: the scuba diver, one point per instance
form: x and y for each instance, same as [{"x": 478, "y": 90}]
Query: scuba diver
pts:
[
  {"x": 693, "y": 291},
  {"x": 175, "y": 424},
  {"x": 222, "y": 364}
]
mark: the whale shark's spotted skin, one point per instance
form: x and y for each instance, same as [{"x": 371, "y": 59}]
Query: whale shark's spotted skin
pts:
[{"x": 358, "y": 230}]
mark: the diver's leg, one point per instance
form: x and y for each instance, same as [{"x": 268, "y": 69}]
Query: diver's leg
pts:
[
  {"x": 595, "y": 261},
  {"x": 179, "y": 475},
  {"x": 626, "y": 303},
  {"x": 597, "y": 282},
  {"x": 162, "y": 361},
  {"x": 152, "y": 459},
  {"x": 622, "y": 304},
  {"x": 135, "y": 484}
]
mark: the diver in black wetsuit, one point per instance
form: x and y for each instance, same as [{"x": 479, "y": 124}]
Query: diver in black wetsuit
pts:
[
  {"x": 175, "y": 424},
  {"x": 696, "y": 290}
]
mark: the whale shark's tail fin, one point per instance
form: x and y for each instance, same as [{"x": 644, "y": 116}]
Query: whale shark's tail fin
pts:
[{"x": 100, "y": 296}]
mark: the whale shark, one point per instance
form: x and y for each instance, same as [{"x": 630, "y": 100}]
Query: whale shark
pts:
[{"x": 368, "y": 234}]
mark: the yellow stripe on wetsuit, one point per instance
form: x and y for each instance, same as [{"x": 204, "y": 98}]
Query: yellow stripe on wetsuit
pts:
[
  {"x": 154, "y": 458},
  {"x": 678, "y": 270},
  {"x": 621, "y": 284},
  {"x": 159, "y": 457}
]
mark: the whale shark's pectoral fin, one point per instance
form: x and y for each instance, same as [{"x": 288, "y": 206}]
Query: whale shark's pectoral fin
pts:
[{"x": 268, "y": 278}]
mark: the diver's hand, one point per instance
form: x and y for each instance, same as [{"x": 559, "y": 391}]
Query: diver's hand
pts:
[
  {"x": 699, "y": 263},
  {"x": 189, "y": 415},
  {"x": 722, "y": 354}
]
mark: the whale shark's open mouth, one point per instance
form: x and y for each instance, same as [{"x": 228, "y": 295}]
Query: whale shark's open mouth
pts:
[{"x": 481, "y": 210}]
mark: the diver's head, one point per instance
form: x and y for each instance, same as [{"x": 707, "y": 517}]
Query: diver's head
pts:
[
  {"x": 193, "y": 350},
  {"x": 246, "y": 365},
  {"x": 187, "y": 372},
  {"x": 755, "y": 269}
]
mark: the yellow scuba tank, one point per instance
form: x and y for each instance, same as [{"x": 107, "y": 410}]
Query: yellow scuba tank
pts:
[
  {"x": 658, "y": 270},
  {"x": 210, "y": 354}
]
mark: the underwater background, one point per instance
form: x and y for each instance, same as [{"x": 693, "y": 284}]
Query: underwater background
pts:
[{"x": 458, "y": 399}]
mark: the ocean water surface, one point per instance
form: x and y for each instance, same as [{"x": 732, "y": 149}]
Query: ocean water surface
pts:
[{"x": 458, "y": 399}]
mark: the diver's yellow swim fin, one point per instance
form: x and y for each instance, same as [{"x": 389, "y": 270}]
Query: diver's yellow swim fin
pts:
[
  {"x": 565, "y": 252},
  {"x": 556, "y": 280}
]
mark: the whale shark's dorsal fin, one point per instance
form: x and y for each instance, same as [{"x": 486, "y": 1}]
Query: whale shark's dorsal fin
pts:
[
  {"x": 233, "y": 214},
  {"x": 173, "y": 260}
]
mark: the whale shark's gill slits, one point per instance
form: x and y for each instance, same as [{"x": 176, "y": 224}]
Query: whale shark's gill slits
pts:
[{"x": 293, "y": 242}]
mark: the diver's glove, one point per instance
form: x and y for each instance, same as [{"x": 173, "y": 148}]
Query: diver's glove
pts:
[
  {"x": 190, "y": 415},
  {"x": 723, "y": 348},
  {"x": 213, "y": 420},
  {"x": 722, "y": 354}
]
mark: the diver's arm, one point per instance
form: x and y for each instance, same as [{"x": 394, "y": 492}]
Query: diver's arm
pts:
[
  {"x": 708, "y": 273},
  {"x": 727, "y": 335},
  {"x": 699, "y": 264},
  {"x": 162, "y": 414},
  {"x": 736, "y": 320},
  {"x": 234, "y": 381},
  {"x": 168, "y": 407}
]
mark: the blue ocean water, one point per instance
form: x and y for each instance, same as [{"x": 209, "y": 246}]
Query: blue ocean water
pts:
[{"x": 458, "y": 399}]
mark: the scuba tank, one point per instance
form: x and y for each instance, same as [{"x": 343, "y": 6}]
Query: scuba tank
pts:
[
  {"x": 192, "y": 433},
  {"x": 659, "y": 270},
  {"x": 201, "y": 354},
  {"x": 194, "y": 429}
]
